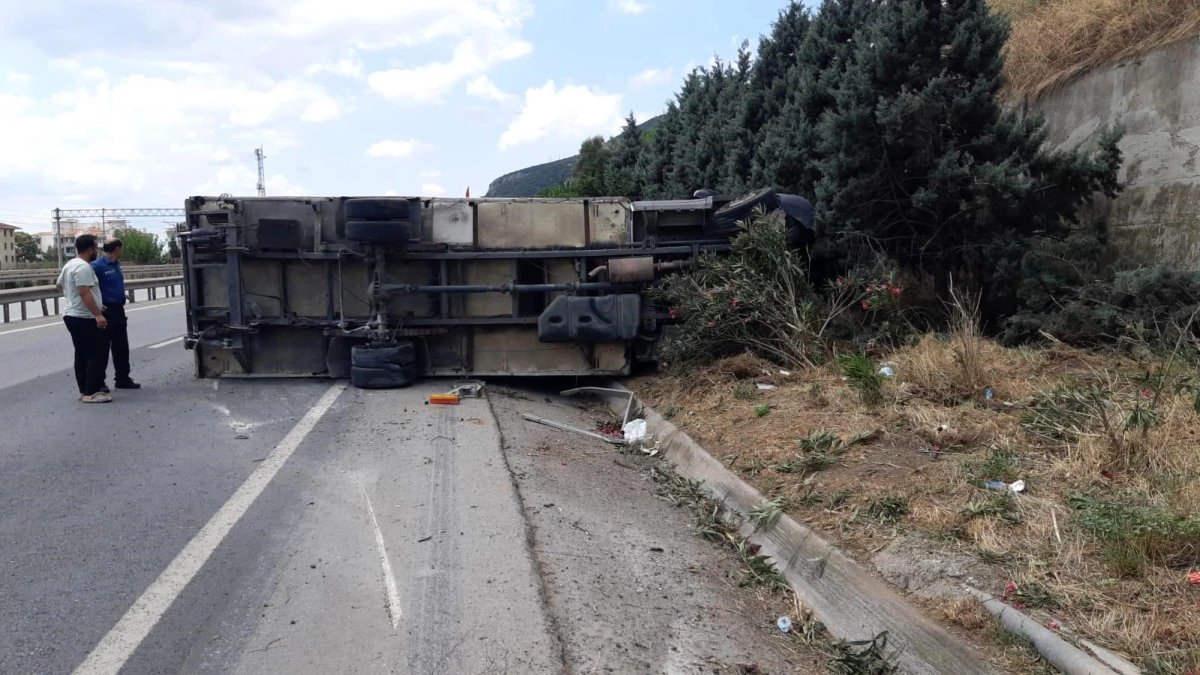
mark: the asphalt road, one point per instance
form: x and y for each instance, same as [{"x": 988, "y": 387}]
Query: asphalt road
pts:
[{"x": 302, "y": 526}]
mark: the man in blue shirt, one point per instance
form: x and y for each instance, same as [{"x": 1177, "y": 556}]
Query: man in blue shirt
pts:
[{"x": 112, "y": 293}]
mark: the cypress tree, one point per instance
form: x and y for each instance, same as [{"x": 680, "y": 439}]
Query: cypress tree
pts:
[{"x": 916, "y": 160}]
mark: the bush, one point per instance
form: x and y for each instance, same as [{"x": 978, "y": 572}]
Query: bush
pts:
[
  {"x": 1156, "y": 306},
  {"x": 1133, "y": 536},
  {"x": 756, "y": 298}
]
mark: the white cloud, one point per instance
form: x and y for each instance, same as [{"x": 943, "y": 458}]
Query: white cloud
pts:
[
  {"x": 651, "y": 77},
  {"x": 350, "y": 66},
  {"x": 126, "y": 112},
  {"x": 429, "y": 173},
  {"x": 242, "y": 179},
  {"x": 432, "y": 190},
  {"x": 322, "y": 109},
  {"x": 430, "y": 82},
  {"x": 396, "y": 148},
  {"x": 483, "y": 87},
  {"x": 629, "y": 6},
  {"x": 570, "y": 112}
]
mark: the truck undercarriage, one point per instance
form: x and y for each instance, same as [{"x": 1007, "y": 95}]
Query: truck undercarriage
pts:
[{"x": 387, "y": 289}]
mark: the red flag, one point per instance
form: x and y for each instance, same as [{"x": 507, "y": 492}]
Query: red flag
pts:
[{"x": 468, "y": 192}]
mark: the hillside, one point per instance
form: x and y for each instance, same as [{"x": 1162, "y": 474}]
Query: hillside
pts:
[{"x": 528, "y": 182}]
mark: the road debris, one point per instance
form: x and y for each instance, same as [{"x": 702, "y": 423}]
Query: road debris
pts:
[
  {"x": 603, "y": 390},
  {"x": 1016, "y": 486},
  {"x": 765, "y": 387},
  {"x": 1194, "y": 578},
  {"x": 634, "y": 431},
  {"x": 784, "y": 623},
  {"x": 566, "y": 427}
]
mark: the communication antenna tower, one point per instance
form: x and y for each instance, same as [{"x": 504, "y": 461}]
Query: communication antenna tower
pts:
[{"x": 262, "y": 182}]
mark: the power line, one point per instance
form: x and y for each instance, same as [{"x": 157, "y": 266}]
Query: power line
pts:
[{"x": 117, "y": 213}]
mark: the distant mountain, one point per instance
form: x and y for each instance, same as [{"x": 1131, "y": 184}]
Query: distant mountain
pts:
[{"x": 528, "y": 182}]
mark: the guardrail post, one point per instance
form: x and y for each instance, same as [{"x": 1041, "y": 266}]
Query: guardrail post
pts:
[
  {"x": 44, "y": 311},
  {"x": 129, "y": 293},
  {"x": 151, "y": 289},
  {"x": 24, "y": 317},
  {"x": 6, "y": 312}
]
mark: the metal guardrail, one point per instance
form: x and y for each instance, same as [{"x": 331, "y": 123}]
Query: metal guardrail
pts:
[
  {"x": 51, "y": 273},
  {"x": 49, "y": 294}
]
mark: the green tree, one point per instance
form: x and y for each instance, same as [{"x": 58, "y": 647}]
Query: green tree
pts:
[
  {"x": 173, "y": 248},
  {"x": 916, "y": 160},
  {"x": 593, "y": 168},
  {"x": 141, "y": 248},
  {"x": 624, "y": 173},
  {"x": 27, "y": 247},
  {"x": 564, "y": 190},
  {"x": 50, "y": 255}
]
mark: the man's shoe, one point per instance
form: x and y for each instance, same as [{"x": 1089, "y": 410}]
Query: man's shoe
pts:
[
  {"x": 104, "y": 389},
  {"x": 128, "y": 384},
  {"x": 98, "y": 397}
]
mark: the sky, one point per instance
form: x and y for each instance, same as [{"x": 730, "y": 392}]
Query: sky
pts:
[{"x": 142, "y": 103}]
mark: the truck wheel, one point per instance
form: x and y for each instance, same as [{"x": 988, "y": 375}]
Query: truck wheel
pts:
[
  {"x": 392, "y": 377},
  {"x": 383, "y": 354},
  {"x": 379, "y": 231},
  {"x": 376, "y": 209}
]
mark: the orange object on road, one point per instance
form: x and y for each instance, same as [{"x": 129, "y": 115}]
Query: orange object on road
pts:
[{"x": 444, "y": 399}]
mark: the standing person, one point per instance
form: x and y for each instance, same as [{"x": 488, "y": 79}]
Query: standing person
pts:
[
  {"x": 112, "y": 293},
  {"x": 84, "y": 316}
]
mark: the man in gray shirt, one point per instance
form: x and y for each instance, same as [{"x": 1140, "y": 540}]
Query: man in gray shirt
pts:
[{"x": 84, "y": 316}]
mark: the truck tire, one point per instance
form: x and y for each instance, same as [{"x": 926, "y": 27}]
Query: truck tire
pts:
[
  {"x": 391, "y": 377},
  {"x": 376, "y": 209},
  {"x": 379, "y": 231},
  {"x": 383, "y": 354}
]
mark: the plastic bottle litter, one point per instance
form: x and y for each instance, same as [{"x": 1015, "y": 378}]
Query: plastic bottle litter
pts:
[
  {"x": 785, "y": 624},
  {"x": 887, "y": 371},
  {"x": 989, "y": 393},
  {"x": 1016, "y": 486},
  {"x": 765, "y": 387}
]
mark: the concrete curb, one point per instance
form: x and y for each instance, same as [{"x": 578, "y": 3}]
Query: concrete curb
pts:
[
  {"x": 851, "y": 602},
  {"x": 1061, "y": 654}
]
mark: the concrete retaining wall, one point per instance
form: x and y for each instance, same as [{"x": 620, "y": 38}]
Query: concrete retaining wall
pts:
[{"x": 1157, "y": 99}]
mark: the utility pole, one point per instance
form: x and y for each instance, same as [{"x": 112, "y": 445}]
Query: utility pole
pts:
[
  {"x": 58, "y": 235},
  {"x": 262, "y": 183}
]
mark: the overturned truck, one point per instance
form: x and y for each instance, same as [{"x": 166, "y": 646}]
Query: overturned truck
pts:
[{"x": 384, "y": 290}]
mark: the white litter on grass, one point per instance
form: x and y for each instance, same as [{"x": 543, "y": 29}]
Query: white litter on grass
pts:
[
  {"x": 1018, "y": 486},
  {"x": 765, "y": 387},
  {"x": 887, "y": 371}
]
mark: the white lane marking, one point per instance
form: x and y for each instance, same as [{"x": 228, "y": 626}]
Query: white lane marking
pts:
[
  {"x": 57, "y": 323},
  {"x": 389, "y": 579},
  {"x": 164, "y": 343},
  {"x": 124, "y": 638},
  {"x": 165, "y": 304}
]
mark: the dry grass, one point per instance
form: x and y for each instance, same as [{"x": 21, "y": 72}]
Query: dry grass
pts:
[
  {"x": 1130, "y": 596},
  {"x": 1054, "y": 41}
]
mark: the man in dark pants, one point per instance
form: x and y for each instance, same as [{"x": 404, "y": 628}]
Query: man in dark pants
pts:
[
  {"x": 84, "y": 316},
  {"x": 112, "y": 293}
]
